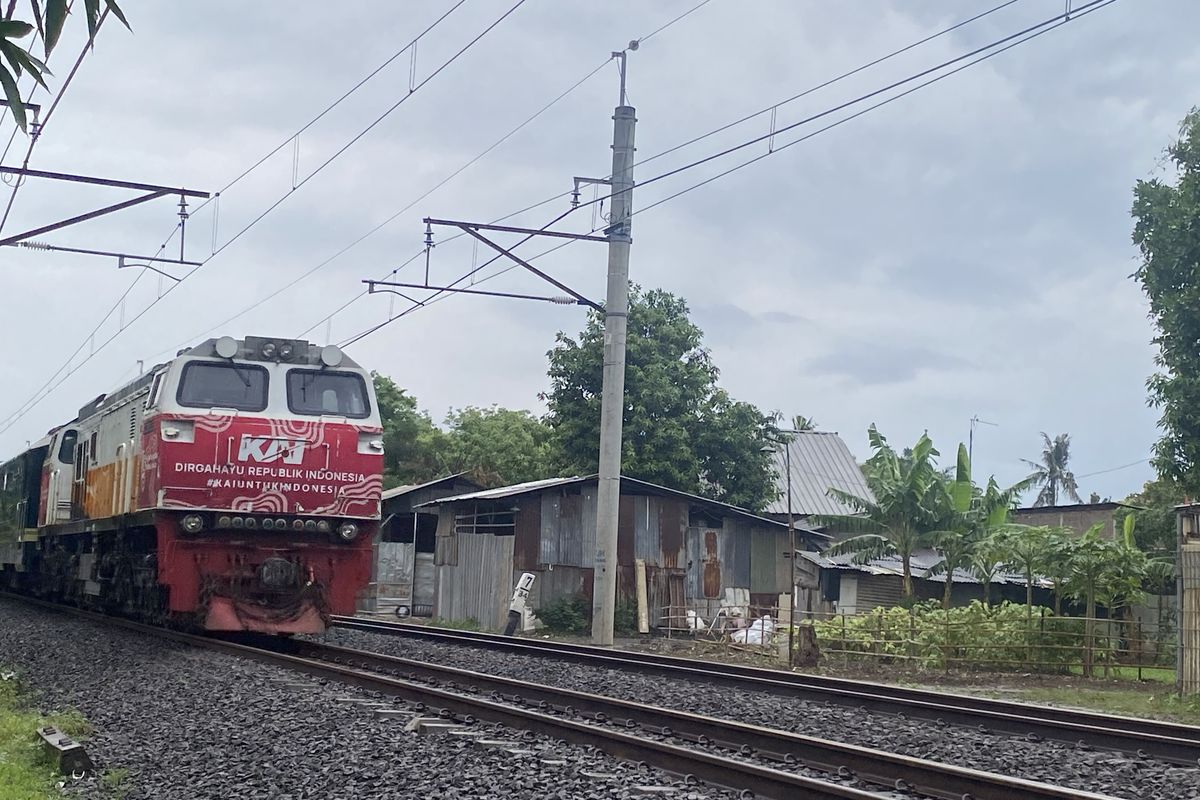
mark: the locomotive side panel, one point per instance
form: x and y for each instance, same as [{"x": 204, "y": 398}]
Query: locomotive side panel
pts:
[{"x": 113, "y": 461}]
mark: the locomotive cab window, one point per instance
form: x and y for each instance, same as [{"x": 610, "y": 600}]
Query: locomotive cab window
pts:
[
  {"x": 66, "y": 450},
  {"x": 208, "y": 385},
  {"x": 317, "y": 392}
]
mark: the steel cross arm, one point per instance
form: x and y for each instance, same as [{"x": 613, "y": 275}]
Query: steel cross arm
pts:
[
  {"x": 582, "y": 300},
  {"x": 85, "y": 217},
  {"x": 372, "y": 284},
  {"x": 89, "y": 252},
  {"x": 65, "y": 176},
  {"x": 469, "y": 226}
]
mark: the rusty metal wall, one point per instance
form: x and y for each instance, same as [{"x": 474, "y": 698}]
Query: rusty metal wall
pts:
[
  {"x": 717, "y": 558},
  {"x": 567, "y": 529},
  {"x": 479, "y": 586},
  {"x": 528, "y": 535},
  {"x": 559, "y": 583}
]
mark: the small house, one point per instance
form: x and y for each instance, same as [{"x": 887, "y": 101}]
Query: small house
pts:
[{"x": 697, "y": 553}]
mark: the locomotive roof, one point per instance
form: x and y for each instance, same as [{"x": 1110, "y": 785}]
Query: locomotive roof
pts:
[{"x": 307, "y": 353}]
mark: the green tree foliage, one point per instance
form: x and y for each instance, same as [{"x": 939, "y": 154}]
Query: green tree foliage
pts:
[
  {"x": 680, "y": 428},
  {"x": 47, "y": 17},
  {"x": 1103, "y": 572},
  {"x": 1025, "y": 550},
  {"x": 497, "y": 446},
  {"x": 802, "y": 423},
  {"x": 904, "y": 512},
  {"x": 1051, "y": 473},
  {"x": 1167, "y": 232},
  {"x": 411, "y": 442},
  {"x": 1154, "y": 530}
]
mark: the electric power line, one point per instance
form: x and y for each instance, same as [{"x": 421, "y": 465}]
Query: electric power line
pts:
[
  {"x": 1139, "y": 462},
  {"x": 1009, "y": 42},
  {"x": 16, "y": 416},
  {"x": 391, "y": 218}
]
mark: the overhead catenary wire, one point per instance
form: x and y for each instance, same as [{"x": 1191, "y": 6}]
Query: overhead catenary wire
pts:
[
  {"x": 598, "y": 201},
  {"x": 16, "y": 416},
  {"x": 394, "y": 216},
  {"x": 980, "y": 54}
]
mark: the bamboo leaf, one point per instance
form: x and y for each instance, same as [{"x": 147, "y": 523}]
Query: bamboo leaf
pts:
[
  {"x": 56, "y": 15},
  {"x": 15, "y": 29},
  {"x": 15, "y": 104},
  {"x": 117, "y": 12}
]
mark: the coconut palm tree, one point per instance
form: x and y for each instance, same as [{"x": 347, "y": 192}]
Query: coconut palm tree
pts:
[
  {"x": 1051, "y": 473},
  {"x": 903, "y": 511}
]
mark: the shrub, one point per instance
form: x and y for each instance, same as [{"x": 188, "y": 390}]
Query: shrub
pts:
[
  {"x": 625, "y": 617},
  {"x": 567, "y": 614},
  {"x": 973, "y": 636}
]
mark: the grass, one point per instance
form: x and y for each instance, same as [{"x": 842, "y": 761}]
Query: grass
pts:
[
  {"x": 23, "y": 773},
  {"x": 1132, "y": 702},
  {"x": 1123, "y": 673}
]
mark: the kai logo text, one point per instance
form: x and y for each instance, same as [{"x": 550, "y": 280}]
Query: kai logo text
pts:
[{"x": 266, "y": 450}]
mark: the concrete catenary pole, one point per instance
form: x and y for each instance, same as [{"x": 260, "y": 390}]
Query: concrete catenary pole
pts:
[{"x": 612, "y": 401}]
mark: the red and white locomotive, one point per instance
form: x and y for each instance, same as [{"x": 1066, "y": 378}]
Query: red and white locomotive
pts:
[{"x": 235, "y": 487}]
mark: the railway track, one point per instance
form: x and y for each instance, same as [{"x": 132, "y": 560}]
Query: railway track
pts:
[
  {"x": 1164, "y": 740},
  {"x": 757, "y": 761}
]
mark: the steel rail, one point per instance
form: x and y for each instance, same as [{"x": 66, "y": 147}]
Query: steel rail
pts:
[
  {"x": 1164, "y": 740},
  {"x": 735, "y": 774},
  {"x": 889, "y": 770}
]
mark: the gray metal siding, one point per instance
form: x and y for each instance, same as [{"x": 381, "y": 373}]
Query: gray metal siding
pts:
[
  {"x": 646, "y": 542},
  {"x": 480, "y": 585}
]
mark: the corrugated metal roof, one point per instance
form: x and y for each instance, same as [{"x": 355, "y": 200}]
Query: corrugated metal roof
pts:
[
  {"x": 921, "y": 562},
  {"x": 820, "y": 461},
  {"x": 550, "y": 483},
  {"x": 400, "y": 491}
]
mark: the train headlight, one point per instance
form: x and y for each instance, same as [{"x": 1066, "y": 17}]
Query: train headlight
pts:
[
  {"x": 224, "y": 521},
  {"x": 310, "y": 525},
  {"x": 268, "y": 524},
  {"x": 323, "y": 526},
  {"x": 347, "y": 531},
  {"x": 285, "y": 351},
  {"x": 269, "y": 350},
  {"x": 297, "y": 524},
  {"x": 192, "y": 523}
]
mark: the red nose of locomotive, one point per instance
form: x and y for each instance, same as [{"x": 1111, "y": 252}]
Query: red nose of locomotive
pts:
[{"x": 264, "y": 459}]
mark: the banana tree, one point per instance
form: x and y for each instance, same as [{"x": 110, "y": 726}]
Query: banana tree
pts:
[
  {"x": 970, "y": 522},
  {"x": 902, "y": 510}
]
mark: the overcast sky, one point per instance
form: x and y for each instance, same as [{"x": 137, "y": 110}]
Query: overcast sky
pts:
[{"x": 962, "y": 251}]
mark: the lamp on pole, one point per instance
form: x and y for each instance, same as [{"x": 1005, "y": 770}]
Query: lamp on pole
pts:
[{"x": 791, "y": 522}]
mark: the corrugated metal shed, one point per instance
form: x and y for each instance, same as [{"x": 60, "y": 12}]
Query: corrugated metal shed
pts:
[
  {"x": 820, "y": 461},
  {"x": 921, "y": 562},
  {"x": 633, "y": 483}
]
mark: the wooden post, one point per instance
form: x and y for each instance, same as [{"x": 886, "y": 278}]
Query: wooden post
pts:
[{"x": 643, "y": 603}]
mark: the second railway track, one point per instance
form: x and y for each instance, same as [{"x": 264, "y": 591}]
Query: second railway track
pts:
[
  {"x": 756, "y": 761},
  {"x": 1164, "y": 740}
]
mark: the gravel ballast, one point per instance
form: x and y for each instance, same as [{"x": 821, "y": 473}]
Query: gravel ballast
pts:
[
  {"x": 187, "y": 723},
  {"x": 1100, "y": 771}
]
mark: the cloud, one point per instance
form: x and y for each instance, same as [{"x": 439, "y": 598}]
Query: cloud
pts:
[{"x": 962, "y": 251}]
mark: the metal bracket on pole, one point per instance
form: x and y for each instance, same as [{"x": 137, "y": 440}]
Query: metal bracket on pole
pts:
[
  {"x": 371, "y": 289},
  {"x": 473, "y": 229},
  {"x": 152, "y": 192}
]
